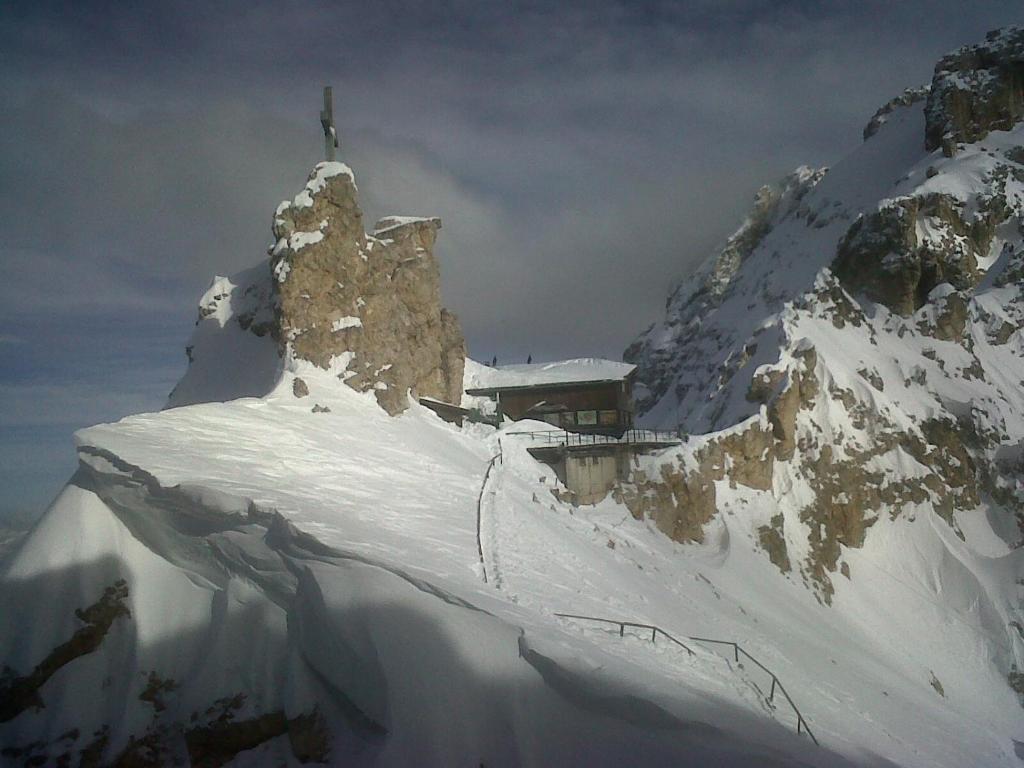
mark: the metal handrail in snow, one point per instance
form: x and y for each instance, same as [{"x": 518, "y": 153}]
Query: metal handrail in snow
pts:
[
  {"x": 629, "y": 437},
  {"x": 622, "y": 628},
  {"x": 801, "y": 722},
  {"x": 479, "y": 510}
]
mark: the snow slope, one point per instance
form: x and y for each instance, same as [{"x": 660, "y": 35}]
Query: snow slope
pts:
[
  {"x": 328, "y": 562},
  {"x": 359, "y": 598}
]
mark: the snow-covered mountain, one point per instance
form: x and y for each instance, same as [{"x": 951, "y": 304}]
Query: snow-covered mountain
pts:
[
  {"x": 299, "y": 564},
  {"x": 853, "y": 360}
]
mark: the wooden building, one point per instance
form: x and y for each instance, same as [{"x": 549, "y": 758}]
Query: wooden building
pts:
[
  {"x": 588, "y": 402},
  {"x": 583, "y": 395}
]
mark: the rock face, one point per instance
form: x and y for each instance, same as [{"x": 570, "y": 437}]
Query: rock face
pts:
[
  {"x": 899, "y": 253},
  {"x": 976, "y": 89},
  {"x": 852, "y": 357},
  {"x": 662, "y": 350},
  {"x": 366, "y": 307}
]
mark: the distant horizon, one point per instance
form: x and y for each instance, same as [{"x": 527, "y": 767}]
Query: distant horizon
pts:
[{"x": 582, "y": 157}]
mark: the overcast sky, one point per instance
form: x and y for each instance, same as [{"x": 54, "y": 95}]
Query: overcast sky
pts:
[{"x": 583, "y": 157}]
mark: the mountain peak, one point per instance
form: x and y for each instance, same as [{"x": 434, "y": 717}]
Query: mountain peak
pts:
[{"x": 364, "y": 307}]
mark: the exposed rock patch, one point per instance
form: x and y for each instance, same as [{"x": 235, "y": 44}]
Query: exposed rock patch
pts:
[
  {"x": 883, "y": 257},
  {"x": 156, "y": 689},
  {"x": 682, "y": 501},
  {"x": 223, "y": 734},
  {"x": 773, "y": 541}
]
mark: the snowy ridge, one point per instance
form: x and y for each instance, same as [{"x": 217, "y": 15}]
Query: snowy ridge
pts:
[
  {"x": 388, "y": 578},
  {"x": 294, "y": 547}
]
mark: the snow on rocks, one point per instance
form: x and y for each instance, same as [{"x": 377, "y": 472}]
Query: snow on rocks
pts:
[
  {"x": 296, "y": 241},
  {"x": 232, "y": 352},
  {"x": 349, "y": 321},
  {"x": 976, "y": 89},
  {"x": 317, "y": 182}
]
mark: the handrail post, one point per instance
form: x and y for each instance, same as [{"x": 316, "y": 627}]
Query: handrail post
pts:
[
  {"x": 736, "y": 649},
  {"x": 622, "y": 630},
  {"x": 799, "y": 721},
  {"x": 771, "y": 696},
  {"x": 654, "y": 633}
]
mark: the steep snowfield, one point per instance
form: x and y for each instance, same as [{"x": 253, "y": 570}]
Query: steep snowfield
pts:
[{"x": 381, "y": 624}]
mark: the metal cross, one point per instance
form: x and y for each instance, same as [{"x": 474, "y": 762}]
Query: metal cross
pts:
[{"x": 327, "y": 121}]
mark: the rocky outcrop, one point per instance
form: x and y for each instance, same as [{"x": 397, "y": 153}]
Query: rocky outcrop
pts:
[
  {"x": 664, "y": 348},
  {"x": 976, "y": 89},
  {"x": 365, "y": 306},
  {"x": 905, "y": 99},
  {"x": 681, "y": 499},
  {"x": 847, "y": 490},
  {"x": 898, "y": 254}
]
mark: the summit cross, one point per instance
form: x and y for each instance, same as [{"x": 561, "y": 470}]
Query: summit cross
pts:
[{"x": 327, "y": 121}]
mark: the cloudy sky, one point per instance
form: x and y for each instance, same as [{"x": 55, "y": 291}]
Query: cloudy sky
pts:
[{"x": 583, "y": 156}]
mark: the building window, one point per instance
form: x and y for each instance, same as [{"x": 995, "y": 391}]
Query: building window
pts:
[
  {"x": 587, "y": 418},
  {"x": 608, "y": 418},
  {"x": 569, "y": 419},
  {"x": 551, "y": 418}
]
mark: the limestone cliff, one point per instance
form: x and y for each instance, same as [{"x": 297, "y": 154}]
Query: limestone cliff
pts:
[{"x": 365, "y": 306}]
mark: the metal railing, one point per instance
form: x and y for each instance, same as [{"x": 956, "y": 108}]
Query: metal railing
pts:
[
  {"x": 479, "y": 512},
  {"x": 622, "y": 628},
  {"x": 801, "y": 722},
  {"x": 629, "y": 437}
]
